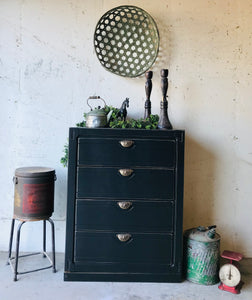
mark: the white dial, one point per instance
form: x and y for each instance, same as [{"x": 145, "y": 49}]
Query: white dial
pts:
[{"x": 229, "y": 275}]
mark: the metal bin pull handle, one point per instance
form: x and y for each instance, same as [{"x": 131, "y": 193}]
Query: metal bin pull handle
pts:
[
  {"x": 123, "y": 237},
  {"x": 126, "y": 172},
  {"x": 126, "y": 143},
  {"x": 124, "y": 204},
  {"x": 15, "y": 180}
]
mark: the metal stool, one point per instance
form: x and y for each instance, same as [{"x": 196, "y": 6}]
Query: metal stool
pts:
[
  {"x": 34, "y": 201},
  {"x": 17, "y": 256}
]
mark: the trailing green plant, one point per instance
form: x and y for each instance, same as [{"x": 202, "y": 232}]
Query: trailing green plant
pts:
[
  {"x": 115, "y": 122},
  {"x": 81, "y": 124},
  {"x": 64, "y": 159}
]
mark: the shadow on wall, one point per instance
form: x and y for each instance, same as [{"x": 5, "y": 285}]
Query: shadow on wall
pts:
[
  {"x": 199, "y": 183},
  {"x": 164, "y": 53}
]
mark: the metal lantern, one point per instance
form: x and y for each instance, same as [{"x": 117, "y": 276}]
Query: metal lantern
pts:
[{"x": 202, "y": 255}]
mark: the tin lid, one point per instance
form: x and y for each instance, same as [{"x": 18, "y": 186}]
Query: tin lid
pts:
[
  {"x": 34, "y": 172},
  {"x": 202, "y": 234}
]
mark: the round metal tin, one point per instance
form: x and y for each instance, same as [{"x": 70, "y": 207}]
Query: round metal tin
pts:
[
  {"x": 34, "y": 172},
  {"x": 34, "y": 193}
]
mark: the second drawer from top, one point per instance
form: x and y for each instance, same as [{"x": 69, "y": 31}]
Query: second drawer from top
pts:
[{"x": 137, "y": 183}]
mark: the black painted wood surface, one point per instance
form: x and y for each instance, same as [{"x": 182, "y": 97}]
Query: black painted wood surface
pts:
[
  {"x": 153, "y": 192},
  {"x": 142, "y": 216}
]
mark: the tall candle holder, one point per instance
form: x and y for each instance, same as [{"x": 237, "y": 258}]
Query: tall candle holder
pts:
[
  {"x": 164, "y": 122},
  {"x": 148, "y": 88}
]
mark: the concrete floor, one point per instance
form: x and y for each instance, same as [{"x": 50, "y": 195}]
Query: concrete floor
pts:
[{"x": 50, "y": 286}]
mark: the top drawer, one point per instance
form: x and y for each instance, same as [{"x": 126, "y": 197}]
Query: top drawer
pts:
[{"x": 126, "y": 152}]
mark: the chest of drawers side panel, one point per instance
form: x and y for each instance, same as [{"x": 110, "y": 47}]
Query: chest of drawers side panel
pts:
[
  {"x": 178, "y": 215},
  {"x": 71, "y": 184}
]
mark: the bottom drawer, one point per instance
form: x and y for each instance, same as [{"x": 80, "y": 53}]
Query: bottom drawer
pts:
[{"x": 139, "y": 248}]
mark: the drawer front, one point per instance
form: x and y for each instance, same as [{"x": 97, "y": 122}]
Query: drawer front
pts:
[
  {"x": 108, "y": 182},
  {"x": 110, "y": 152},
  {"x": 141, "y": 216},
  {"x": 106, "y": 247}
]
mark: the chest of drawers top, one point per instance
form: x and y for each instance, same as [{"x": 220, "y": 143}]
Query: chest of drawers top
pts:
[{"x": 125, "y": 132}]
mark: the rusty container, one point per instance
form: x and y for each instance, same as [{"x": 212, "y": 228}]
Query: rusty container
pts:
[
  {"x": 34, "y": 193},
  {"x": 202, "y": 255}
]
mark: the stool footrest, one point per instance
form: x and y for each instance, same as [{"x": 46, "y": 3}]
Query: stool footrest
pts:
[
  {"x": 34, "y": 270},
  {"x": 13, "y": 261}
]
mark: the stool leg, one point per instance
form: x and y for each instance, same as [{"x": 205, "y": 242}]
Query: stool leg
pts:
[
  {"x": 17, "y": 250},
  {"x": 44, "y": 238},
  {"x": 53, "y": 245},
  {"x": 11, "y": 240}
]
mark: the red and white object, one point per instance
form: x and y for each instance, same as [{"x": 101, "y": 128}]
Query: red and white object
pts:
[{"x": 229, "y": 273}]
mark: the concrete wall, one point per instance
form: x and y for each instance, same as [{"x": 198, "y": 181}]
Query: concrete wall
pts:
[{"x": 48, "y": 68}]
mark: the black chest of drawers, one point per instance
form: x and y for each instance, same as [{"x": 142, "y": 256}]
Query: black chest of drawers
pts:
[{"x": 124, "y": 205}]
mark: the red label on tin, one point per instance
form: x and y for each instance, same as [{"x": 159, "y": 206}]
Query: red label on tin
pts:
[{"x": 37, "y": 198}]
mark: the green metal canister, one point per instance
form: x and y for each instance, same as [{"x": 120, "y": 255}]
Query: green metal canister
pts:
[{"x": 202, "y": 255}]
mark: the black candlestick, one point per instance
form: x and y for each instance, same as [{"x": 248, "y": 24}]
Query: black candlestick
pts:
[
  {"x": 148, "y": 88},
  {"x": 164, "y": 122}
]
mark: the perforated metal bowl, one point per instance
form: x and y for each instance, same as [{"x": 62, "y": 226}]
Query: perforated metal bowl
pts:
[{"x": 126, "y": 41}]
